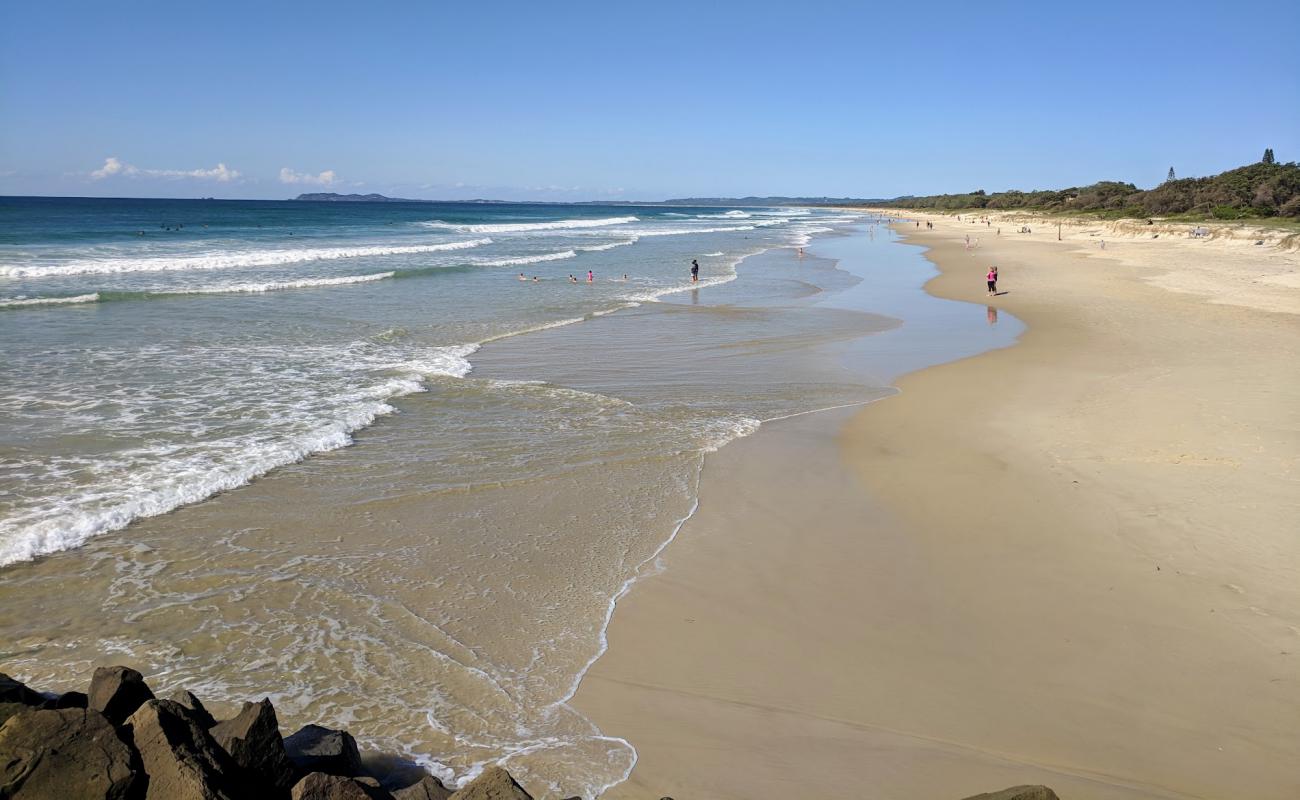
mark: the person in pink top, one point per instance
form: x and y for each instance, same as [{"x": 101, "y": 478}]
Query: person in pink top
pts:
[
  {"x": 591, "y": 276},
  {"x": 992, "y": 278}
]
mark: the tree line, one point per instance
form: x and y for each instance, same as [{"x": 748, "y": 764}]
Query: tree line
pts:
[{"x": 1264, "y": 189}]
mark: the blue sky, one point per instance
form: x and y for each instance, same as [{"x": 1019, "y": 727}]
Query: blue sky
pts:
[{"x": 573, "y": 101}]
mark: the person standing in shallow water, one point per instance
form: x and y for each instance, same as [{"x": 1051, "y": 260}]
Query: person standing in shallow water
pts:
[{"x": 695, "y": 271}]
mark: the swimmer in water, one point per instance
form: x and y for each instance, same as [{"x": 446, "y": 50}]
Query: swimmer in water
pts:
[
  {"x": 591, "y": 276},
  {"x": 536, "y": 279},
  {"x": 572, "y": 279},
  {"x": 521, "y": 277}
]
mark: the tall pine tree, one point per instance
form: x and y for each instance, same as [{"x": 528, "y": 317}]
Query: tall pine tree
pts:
[
  {"x": 1171, "y": 174},
  {"x": 1268, "y": 156}
]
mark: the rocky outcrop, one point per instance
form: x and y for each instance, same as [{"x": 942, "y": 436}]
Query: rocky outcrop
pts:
[
  {"x": 322, "y": 786},
  {"x": 118, "y": 742},
  {"x": 494, "y": 784},
  {"x": 427, "y": 788},
  {"x": 196, "y": 709},
  {"x": 1018, "y": 793},
  {"x": 15, "y": 691},
  {"x": 116, "y": 692},
  {"x": 182, "y": 760},
  {"x": 253, "y": 740},
  {"x": 317, "y": 749},
  {"x": 53, "y": 754}
]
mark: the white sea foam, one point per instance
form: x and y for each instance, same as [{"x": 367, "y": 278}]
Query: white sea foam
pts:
[
  {"x": 513, "y": 262},
  {"x": 21, "y": 302},
  {"x": 522, "y": 227},
  {"x": 275, "y": 286},
  {"x": 164, "y": 477},
  {"x": 687, "y": 231},
  {"x": 229, "y": 260},
  {"x": 610, "y": 246},
  {"x": 713, "y": 255}
]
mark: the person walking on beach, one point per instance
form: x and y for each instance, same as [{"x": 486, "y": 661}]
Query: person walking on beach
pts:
[
  {"x": 992, "y": 278},
  {"x": 695, "y": 271}
]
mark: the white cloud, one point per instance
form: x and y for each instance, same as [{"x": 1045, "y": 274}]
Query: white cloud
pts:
[
  {"x": 326, "y": 178},
  {"x": 113, "y": 167}
]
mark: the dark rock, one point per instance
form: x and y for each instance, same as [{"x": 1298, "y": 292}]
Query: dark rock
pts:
[
  {"x": 196, "y": 709},
  {"x": 182, "y": 760},
  {"x": 116, "y": 692},
  {"x": 322, "y": 786},
  {"x": 72, "y": 700},
  {"x": 427, "y": 788},
  {"x": 65, "y": 753},
  {"x": 1018, "y": 793},
  {"x": 317, "y": 749},
  {"x": 253, "y": 740},
  {"x": 494, "y": 784},
  {"x": 13, "y": 690}
]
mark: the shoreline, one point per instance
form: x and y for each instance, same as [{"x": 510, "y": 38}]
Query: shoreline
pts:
[{"x": 682, "y": 697}]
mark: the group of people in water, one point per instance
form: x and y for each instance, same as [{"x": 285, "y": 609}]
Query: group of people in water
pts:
[{"x": 591, "y": 276}]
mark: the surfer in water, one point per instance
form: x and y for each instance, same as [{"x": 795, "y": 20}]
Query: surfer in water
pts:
[{"x": 695, "y": 271}]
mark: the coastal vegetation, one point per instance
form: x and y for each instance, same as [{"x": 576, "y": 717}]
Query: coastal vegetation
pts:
[{"x": 1262, "y": 190}]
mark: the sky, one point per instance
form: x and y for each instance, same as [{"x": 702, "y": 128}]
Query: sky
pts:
[{"x": 626, "y": 101}]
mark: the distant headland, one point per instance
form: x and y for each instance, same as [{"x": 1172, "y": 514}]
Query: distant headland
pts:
[{"x": 334, "y": 197}]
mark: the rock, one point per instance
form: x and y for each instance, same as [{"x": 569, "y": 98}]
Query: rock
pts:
[
  {"x": 494, "y": 784},
  {"x": 1018, "y": 793},
  {"x": 72, "y": 700},
  {"x": 182, "y": 761},
  {"x": 253, "y": 740},
  {"x": 65, "y": 753},
  {"x": 427, "y": 788},
  {"x": 317, "y": 749},
  {"x": 196, "y": 709},
  {"x": 116, "y": 692},
  {"x": 322, "y": 786},
  {"x": 13, "y": 690},
  {"x": 8, "y": 710}
]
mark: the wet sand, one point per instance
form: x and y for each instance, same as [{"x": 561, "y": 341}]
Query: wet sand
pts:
[{"x": 1073, "y": 561}]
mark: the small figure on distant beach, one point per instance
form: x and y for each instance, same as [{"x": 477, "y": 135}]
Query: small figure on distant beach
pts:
[
  {"x": 992, "y": 279},
  {"x": 801, "y": 252},
  {"x": 695, "y": 271}
]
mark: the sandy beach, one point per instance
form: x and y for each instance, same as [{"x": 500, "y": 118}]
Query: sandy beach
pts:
[{"x": 1073, "y": 561}]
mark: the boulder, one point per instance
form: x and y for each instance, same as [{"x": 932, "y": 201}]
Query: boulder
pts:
[
  {"x": 72, "y": 700},
  {"x": 116, "y": 692},
  {"x": 427, "y": 788},
  {"x": 322, "y": 786},
  {"x": 1018, "y": 793},
  {"x": 253, "y": 740},
  {"x": 63, "y": 753},
  {"x": 317, "y": 749},
  {"x": 182, "y": 760},
  {"x": 13, "y": 690},
  {"x": 197, "y": 711},
  {"x": 494, "y": 784}
]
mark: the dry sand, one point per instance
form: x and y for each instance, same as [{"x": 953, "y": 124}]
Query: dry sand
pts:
[{"x": 1075, "y": 561}]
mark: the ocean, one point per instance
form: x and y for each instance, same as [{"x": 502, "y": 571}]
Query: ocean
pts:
[{"x": 385, "y": 463}]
